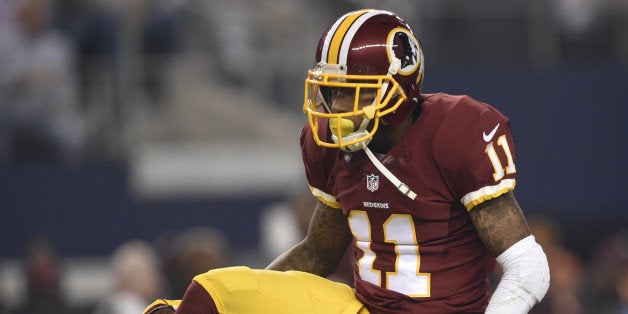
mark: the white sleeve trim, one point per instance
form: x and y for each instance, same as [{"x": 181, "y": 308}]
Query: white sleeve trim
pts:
[
  {"x": 328, "y": 199},
  {"x": 525, "y": 280},
  {"x": 488, "y": 192}
]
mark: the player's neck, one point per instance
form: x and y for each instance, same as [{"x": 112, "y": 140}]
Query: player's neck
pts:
[{"x": 389, "y": 135}]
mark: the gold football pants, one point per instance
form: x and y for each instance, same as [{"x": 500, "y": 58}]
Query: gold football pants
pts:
[{"x": 244, "y": 290}]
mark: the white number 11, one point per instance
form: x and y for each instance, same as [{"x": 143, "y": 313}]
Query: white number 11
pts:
[
  {"x": 399, "y": 230},
  {"x": 497, "y": 164}
]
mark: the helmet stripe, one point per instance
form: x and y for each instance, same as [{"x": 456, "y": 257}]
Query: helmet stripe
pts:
[
  {"x": 339, "y": 35},
  {"x": 348, "y": 37},
  {"x": 328, "y": 37}
]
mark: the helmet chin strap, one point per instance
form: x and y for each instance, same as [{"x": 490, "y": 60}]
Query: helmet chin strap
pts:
[{"x": 402, "y": 187}]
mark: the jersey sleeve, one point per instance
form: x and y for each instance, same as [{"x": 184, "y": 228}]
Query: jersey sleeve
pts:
[
  {"x": 317, "y": 165},
  {"x": 475, "y": 150}
]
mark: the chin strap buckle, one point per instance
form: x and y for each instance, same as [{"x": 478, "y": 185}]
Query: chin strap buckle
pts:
[{"x": 405, "y": 190}]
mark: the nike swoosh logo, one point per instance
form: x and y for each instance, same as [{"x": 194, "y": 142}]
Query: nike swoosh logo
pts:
[{"x": 488, "y": 137}]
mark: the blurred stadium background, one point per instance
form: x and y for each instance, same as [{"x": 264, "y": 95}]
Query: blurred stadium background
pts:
[{"x": 182, "y": 113}]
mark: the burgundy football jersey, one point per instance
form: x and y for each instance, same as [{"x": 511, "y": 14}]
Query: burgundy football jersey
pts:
[{"x": 421, "y": 255}]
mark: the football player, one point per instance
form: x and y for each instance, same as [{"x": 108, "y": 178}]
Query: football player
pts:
[{"x": 421, "y": 183}]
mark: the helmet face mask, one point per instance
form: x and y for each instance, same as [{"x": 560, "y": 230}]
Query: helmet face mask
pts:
[
  {"x": 373, "y": 96},
  {"x": 371, "y": 57}
]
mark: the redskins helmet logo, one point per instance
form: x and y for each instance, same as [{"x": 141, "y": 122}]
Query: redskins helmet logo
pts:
[{"x": 404, "y": 46}]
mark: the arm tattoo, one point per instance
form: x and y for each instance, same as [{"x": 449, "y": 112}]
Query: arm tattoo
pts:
[
  {"x": 324, "y": 246},
  {"x": 500, "y": 223}
]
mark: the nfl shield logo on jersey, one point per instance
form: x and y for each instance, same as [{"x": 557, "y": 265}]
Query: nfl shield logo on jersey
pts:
[{"x": 372, "y": 182}]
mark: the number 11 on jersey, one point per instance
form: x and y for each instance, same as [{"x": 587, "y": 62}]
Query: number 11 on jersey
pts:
[
  {"x": 399, "y": 230},
  {"x": 500, "y": 171}
]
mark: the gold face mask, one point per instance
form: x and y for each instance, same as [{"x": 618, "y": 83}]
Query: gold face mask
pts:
[{"x": 319, "y": 86}]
